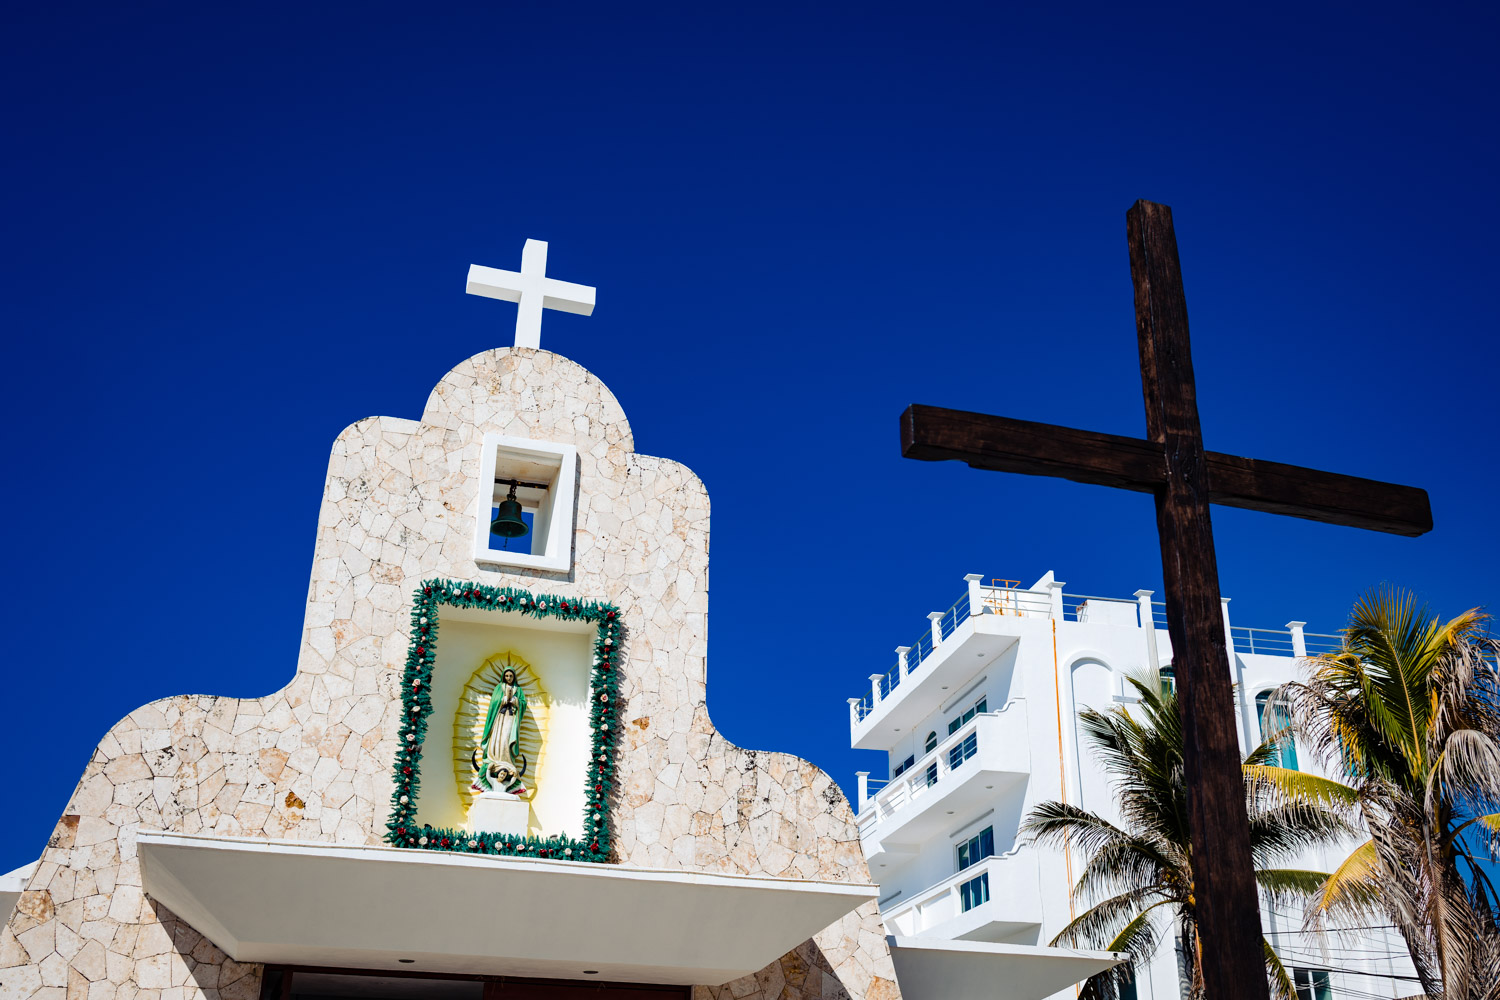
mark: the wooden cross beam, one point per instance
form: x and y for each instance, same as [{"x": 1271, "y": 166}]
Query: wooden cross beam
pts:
[
  {"x": 1172, "y": 465},
  {"x": 1001, "y": 444}
]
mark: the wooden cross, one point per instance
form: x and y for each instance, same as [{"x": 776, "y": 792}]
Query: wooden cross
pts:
[{"x": 1172, "y": 465}]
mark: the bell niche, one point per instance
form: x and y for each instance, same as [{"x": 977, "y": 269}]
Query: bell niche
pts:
[{"x": 527, "y": 521}]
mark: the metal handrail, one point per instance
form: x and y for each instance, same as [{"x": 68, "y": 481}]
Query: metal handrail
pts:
[
  {"x": 933, "y": 756},
  {"x": 1012, "y": 600},
  {"x": 1005, "y": 597},
  {"x": 1321, "y": 642},
  {"x": 1270, "y": 641},
  {"x": 954, "y": 616},
  {"x": 920, "y": 649},
  {"x": 936, "y": 754}
]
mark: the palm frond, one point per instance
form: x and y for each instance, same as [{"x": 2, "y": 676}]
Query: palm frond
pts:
[
  {"x": 1103, "y": 922},
  {"x": 1139, "y": 940},
  {"x": 1281, "y": 833},
  {"x": 1291, "y": 786},
  {"x": 1351, "y": 893},
  {"x": 1282, "y": 987},
  {"x": 1283, "y": 885},
  {"x": 1062, "y": 824},
  {"x": 1127, "y": 864},
  {"x": 1468, "y": 766}
]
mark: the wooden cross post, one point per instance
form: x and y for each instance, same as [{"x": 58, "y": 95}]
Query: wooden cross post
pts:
[{"x": 1172, "y": 465}]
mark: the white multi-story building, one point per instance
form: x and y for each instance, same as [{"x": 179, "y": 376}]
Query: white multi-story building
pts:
[{"x": 978, "y": 719}]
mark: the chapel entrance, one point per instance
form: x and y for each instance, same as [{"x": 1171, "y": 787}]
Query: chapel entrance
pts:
[{"x": 283, "y": 982}]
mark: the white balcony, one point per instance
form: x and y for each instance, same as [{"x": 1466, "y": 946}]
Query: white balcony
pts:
[
  {"x": 1011, "y": 908},
  {"x": 969, "y": 770},
  {"x": 985, "y": 623},
  {"x": 966, "y": 650}
]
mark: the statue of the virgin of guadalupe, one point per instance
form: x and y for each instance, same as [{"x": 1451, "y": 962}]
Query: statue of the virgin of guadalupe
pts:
[{"x": 498, "y": 762}]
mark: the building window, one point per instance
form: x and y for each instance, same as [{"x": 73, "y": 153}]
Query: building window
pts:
[
  {"x": 976, "y": 891},
  {"x": 1168, "y": 681},
  {"x": 977, "y": 709},
  {"x": 976, "y": 848},
  {"x": 1274, "y": 717},
  {"x": 1312, "y": 984},
  {"x": 966, "y": 749},
  {"x": 931, "y": 743},
  {"x": 931, "y": 775},
  {"x": 908, "y": 762}
]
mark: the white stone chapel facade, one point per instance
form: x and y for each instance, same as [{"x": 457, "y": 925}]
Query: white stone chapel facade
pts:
[{"x": 287, "y": 828}]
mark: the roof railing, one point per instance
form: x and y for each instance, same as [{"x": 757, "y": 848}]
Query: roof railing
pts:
[{"x": 1007, "y": 597}]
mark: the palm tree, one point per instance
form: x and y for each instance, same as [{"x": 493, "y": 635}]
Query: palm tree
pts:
[
  {"x": 1409, "y": 710},
  {"x": 1139, "y": 876}
]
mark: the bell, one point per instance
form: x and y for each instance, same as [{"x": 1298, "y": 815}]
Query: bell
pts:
[{"x": 508, "y": 522}]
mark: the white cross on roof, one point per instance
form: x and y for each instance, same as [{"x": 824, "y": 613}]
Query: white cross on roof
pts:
[{"x": 532, "y": 290}]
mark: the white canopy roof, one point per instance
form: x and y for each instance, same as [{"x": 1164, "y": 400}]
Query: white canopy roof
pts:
[
  {"x": 12, "y": 884},
  {"x": 303, "y": 903},
  {"x": 932, "y": 969}
]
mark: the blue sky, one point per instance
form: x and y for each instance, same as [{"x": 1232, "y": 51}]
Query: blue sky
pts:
[{"x": 234, "y": 231}]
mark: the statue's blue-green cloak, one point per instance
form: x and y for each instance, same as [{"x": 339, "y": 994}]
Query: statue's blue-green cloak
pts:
[{"x": 497, "y": 697}]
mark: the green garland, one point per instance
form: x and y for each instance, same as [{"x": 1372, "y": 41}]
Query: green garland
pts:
[{"x": 402, "y": 829}]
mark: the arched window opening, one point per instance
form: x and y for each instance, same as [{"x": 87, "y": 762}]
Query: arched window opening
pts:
[
  {"x": 931, "y": 744},
  {"x": 1274, "y": 718}
]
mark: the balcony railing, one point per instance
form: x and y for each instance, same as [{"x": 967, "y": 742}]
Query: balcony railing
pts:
[
  {"x": 909, "y": 661},
  {"x": 1005, "y": 597},
  {"x": 1318, "y": 642},
  {"x": 1008, "y": 598},
  {"x": 988, "y": 736},
  {"x": 1007, "y": 893},
  {"x": 1265, "y": 641}
]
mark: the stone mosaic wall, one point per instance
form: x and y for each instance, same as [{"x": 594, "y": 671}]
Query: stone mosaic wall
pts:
[{"x": 312, "y": 761}]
